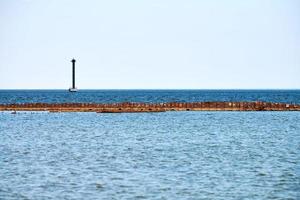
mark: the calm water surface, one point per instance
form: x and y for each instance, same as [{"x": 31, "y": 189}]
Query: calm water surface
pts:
[
  {"x": 111, "y": 96},
  {"x": 172, "y": 155}
]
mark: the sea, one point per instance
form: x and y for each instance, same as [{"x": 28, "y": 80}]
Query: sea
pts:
[{"x": 168, "y": 155}]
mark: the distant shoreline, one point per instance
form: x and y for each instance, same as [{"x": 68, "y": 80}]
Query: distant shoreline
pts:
[{"x": 129, "y": 107}]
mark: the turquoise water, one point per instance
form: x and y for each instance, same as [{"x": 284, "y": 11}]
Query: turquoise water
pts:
[{"x": 171, "y": 155}]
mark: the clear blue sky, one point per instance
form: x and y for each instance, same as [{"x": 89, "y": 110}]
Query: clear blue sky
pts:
[{"x": 166, "y": 44}]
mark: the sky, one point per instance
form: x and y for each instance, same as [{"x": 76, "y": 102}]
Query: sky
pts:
[{"x": 150, "y": 44}]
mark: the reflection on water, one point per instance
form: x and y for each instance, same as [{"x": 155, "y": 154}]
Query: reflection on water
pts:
[{"x": 172, "y": 155}]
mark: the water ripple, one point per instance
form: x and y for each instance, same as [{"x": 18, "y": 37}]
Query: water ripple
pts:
[{"x": 172, "y": 155}]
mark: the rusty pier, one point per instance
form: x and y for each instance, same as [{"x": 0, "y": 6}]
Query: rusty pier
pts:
[{"x": 128, "y": 107}]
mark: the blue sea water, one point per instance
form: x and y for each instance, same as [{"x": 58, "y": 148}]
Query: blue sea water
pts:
[
  {"x": 112, "y": 96},
  {"x": 169, "y": 155}
]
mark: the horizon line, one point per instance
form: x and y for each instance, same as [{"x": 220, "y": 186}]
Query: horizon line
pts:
[{"x": 152, "y": 89}]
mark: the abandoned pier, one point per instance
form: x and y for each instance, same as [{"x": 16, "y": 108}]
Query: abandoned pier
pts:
[{"x": 127, "y": 107}]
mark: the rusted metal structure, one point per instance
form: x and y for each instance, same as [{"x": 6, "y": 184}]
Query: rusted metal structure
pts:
[{"x": 128, "y": 107}]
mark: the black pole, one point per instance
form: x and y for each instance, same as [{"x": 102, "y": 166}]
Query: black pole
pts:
[{"x": 73, "y": 73}]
